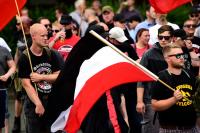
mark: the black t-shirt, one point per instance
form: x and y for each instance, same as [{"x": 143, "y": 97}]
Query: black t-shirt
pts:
[
  {"x": 45, "y": 64},
  {"x": 182, "y": 113}
]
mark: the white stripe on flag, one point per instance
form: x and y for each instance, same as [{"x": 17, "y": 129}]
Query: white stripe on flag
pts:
[
  {"x": 103, "y": 58},
  {"x": 61, "y": 121}
]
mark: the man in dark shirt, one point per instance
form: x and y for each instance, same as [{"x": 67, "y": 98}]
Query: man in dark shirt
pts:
[
  {"x": 38, "y": 81},
  {"x": 175, "y": 108}
]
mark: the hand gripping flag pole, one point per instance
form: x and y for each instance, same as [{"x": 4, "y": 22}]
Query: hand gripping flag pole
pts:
[
  {"x": 145, "y": 70},
  {"x": 28, "y": 54}
]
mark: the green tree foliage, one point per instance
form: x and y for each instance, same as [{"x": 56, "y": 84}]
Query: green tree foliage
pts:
[{"x": 177, "y": 16}]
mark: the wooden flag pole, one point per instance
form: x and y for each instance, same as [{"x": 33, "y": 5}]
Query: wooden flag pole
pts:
[
  {"x": 142, "y": 68},
  {"x": 28, "y": 54}
]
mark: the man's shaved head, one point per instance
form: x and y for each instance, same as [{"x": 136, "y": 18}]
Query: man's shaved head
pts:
[{"x": 36, "y": 28}]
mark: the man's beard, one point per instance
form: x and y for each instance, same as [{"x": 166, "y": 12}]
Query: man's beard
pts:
[
  {"x": 178, "y": 65},
  {"x": 68, "y": 33}
]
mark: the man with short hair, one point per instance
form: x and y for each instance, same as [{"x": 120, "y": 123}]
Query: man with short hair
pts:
[
  {"x": 175, "y": 112},
  {"x": 161, "y": 19},
  {"x": 149, "y": 22},
  {"x": 38, "y": 81},
  {"x": 77, "y": 15},
  {"x": 189, "y": 27},
  {"x": 108, "y": 14},
  {"x": 46, "y": 22},
  {"x": 154, "y": 61}
]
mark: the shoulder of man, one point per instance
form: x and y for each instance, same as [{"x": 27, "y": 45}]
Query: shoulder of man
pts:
[{"x": 48, "y": 50}]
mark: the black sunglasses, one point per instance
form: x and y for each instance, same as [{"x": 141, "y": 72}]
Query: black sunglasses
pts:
[
  {"x": 190, "y": 26},
  {"x": 194, "y": 15},
  {"x": 56, "y": 31},
  {"x": 17, "y": 23},
  {"x": 165, "y": 37},
  {"x": 48, "y": 25},
  {"x": 178, "y": 56}
]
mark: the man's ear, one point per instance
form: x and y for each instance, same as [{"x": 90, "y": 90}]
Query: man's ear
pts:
[{"x": 167, "y": 59}]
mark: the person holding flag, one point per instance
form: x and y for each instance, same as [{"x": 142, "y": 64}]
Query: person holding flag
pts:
[
  {"x": 175, "y": 113},
  {"x": 38, "y": 81},
  {"x": 149, "y": 59}
]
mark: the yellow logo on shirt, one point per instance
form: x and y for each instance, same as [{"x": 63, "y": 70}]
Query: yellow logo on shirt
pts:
[{"x": 185, "y": 89}]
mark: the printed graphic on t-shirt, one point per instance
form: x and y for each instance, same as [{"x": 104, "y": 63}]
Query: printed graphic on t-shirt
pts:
[
  {"x": 43, "y": 68},
  {"x": 185, "y": 90},
  {"x": 65, "y": 49}
]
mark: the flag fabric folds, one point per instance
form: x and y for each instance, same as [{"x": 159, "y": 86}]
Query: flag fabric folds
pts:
[
  {"x": 102, "y": 70},
  {"x": 9, "y": 10},
  {"x": 165, "y": 6}
]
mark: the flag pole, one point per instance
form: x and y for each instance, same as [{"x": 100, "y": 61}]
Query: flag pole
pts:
[
  {"x": 28, "y": 54},
  {"x": 142, "y": 68}
]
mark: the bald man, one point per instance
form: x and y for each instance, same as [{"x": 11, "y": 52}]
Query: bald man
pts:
[{"x": 38, "y": 83}]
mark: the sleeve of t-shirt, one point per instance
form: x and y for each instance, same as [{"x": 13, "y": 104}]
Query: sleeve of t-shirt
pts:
[
  {"x": 4, "y": 44},
  {"x": 144, "y": 62},
  {"x": 24, "y": 67},
  {"x": 158, "y": 89},
  {"x": 8, "y": 54}
]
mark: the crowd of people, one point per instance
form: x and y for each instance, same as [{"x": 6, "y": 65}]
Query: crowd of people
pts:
[{"x": 166, "y": 49}]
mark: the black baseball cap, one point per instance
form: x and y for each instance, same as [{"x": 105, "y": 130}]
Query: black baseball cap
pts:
[
  {"x": 180, "y": 33},
  {"x": 65, "y": 20}
]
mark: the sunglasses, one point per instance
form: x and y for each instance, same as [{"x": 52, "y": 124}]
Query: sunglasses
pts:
[
  {"x": 17, "y": 23},
  {"x": 190, "y": 26},
  {"x": 194, "y": 15},
  {"x": 56, "y": 31},
  {"x": 48, "y": 25},
  {"x": 178, "y": 56},
  {"x": 164, "y": 37}
]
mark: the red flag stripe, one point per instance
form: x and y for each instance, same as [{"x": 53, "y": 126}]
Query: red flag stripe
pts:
[
  {"x": 9, "y": 10},
  {"x": 97, "y": 85},
  {"x": 165, "y": 6}
]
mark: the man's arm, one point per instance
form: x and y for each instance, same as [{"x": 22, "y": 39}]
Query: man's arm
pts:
[
  {"x": 32, "y": 94},
  {"x": 160, "y": 105},
  {"x": 140, "y": 107},
  {"x": 35, "y": 77},
  {"x": 12, "y": 68}
]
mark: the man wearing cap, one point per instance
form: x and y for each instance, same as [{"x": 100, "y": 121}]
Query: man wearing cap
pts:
[
  {"x": 64, "y": 40},
  {"x": 119, "y": 21},
  {"x": 194, "y": 15},
  {"x": 118, "y": 38},
  {"x": 108, "y": 14},
  {"x": 190, "y": 56}
]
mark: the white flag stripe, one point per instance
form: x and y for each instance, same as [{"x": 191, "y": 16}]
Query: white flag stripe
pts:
[
  {"x": 61, "y": 121},
  {"x": 103, "y": 58}
]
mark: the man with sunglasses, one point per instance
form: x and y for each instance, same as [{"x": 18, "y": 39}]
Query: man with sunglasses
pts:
[
  {"x": 194, "y": 15},
  {"x": 175, "y": 108},
  {"x": 154, "y": 61},
  {"x": 191, "y": 54},
  {"x": 189, "y": 27},
  {"x": 46, "y": 22},
  {"x": 64, "y": 40}
]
